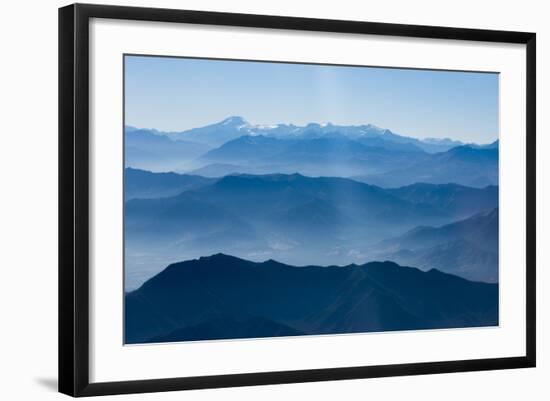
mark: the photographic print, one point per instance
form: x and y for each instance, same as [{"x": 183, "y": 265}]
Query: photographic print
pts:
[{"x": 274, "y": 199}]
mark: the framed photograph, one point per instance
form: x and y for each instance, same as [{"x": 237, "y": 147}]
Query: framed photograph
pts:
[{"x": 250, "y": 199}]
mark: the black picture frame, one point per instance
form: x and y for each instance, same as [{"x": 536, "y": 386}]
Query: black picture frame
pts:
[{"x": 74, "y": 198}]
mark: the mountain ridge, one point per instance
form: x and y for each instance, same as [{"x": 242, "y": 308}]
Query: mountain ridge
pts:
[
  {"x": 468, "y": 247},
  {"x": 375, "y": 296},
  {"x": 232, "y": 127},
  {"x": 293, "y": 218}
]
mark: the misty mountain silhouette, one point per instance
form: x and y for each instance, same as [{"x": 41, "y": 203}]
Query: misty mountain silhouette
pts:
[
  {"x": 459, "y": 200},
  {"x": 154, "y": 151},
  {"x": 222, "y": 296},
  {"x": 468, "y": 248},
  {"x": 465, "y": 165},
  {"x": 145, "y": 184},
  {"x": 291, "y": 205},
  {"x": 295, "y": 219},
  {"x": 313, "y": 155}
]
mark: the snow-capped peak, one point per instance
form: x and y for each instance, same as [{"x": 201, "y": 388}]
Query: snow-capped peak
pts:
[{"x": 235, "y": 120}]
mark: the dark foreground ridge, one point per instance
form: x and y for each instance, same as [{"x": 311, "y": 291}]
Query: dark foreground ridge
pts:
[{"x": 224, "y": 297}]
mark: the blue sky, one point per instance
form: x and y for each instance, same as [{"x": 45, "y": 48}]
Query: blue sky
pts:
[{"x": 174, "y": 94}]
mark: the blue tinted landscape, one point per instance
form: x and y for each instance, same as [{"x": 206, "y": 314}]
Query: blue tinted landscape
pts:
[{"x": 238, "y": 230}]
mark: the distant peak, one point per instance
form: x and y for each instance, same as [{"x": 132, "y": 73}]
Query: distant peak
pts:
[
  {"x": 387, "y": 263},
  {"x": 218, "y": 256},
  {"x": 234, "y": 120}
]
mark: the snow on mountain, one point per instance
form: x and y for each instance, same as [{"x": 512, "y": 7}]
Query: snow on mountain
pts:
[{"x": 233, "y": 127}]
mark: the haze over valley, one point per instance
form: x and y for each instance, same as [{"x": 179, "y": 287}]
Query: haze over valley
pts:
[{"x": 317, "y": 194}]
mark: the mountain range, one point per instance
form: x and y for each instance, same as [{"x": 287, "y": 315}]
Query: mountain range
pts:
[
  {"x": 293, "y": 218},
  {"x": 273, "y": 212},
  {"x": 332, "y": 155},
  {"x": 468, "y": 248},
  {"x": 222, "y": 297},
  {"x": 366, "y": 152},
  {"x": 466, "y": 165},
  {"x": 459, "y": 200},
  {"x": 145, "y": 184},
  {"x": 234, "y": 127},
  {"x": 343, "y": 157},
  {"x": 302, "y": 208},
  {"x": 151, "y": 150}
]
